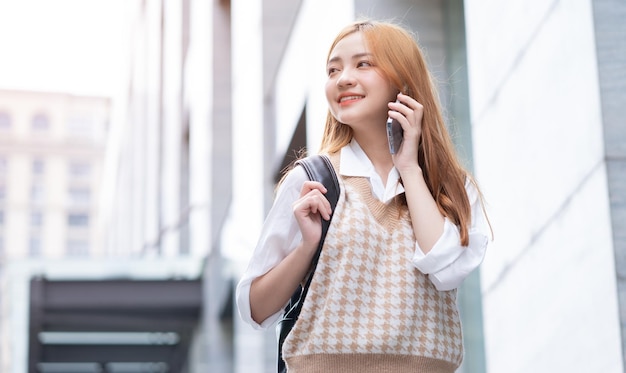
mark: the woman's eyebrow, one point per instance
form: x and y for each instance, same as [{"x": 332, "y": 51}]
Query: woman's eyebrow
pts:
[{"x": 354, "y": 57}]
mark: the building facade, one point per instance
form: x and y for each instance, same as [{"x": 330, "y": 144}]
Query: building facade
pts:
[
  {"x": 52, "y": 148},
  {"x": 547, "y": 93},
  {"x": 51, "y": 156}
]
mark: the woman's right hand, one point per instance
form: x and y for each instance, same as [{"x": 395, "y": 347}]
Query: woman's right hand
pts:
[
  {"x": 309, "y": 209},
  {"x": 271, "y": 291}
]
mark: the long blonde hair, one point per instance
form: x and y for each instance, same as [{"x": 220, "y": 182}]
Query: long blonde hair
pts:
[{"x": 397, "y": 55}]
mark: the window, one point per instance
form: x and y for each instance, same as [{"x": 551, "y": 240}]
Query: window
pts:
[
  {"x": 79, "y": 196},
  {"x": 38, "y": 166},
  {"x": 4, "y": 166},
  {"x": 3, "y": 175},
  {"x": 36, "y": 219},
  {"x": 80, "y": 125},
  {"x": 78, "y": 219},
  {"x": 5, "y": 120},
  {"x": 34, "y": 246},
  {"x": 77, "y": 248},
  {"x": 40, "y": 122},
  {"x": 1, "y": 218},
  {"x": 78, "y": 169},
  {"x": 37, "y": 193}
]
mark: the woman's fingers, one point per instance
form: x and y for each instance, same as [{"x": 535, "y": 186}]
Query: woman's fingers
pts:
[
  {"x": 409, "y": 112},
  {"x": 410, "y": 109},
  {"x": 309, "y": 210},
  {"x": 312, "y": 200}
]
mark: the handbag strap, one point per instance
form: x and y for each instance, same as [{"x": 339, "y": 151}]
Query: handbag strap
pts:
[{"x": 319, "y": 168}]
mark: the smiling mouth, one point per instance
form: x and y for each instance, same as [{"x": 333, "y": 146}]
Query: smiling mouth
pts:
[{"x": 349, "y": 98}]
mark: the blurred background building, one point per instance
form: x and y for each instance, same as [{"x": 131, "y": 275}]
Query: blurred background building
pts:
[
  {"x": 126, "y": 221},
  {"x": 53, "y": 148}
]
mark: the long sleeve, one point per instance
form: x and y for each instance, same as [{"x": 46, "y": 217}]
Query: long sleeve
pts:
[
  {"x": 279, "y": 236},
  {"x": 449, "y": 263}
]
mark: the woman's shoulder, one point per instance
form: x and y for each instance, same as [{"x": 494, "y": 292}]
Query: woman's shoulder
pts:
[{"x": 293, "y": 178}]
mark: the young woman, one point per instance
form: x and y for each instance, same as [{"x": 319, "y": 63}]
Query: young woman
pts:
[{"x": 408, "y": 227}]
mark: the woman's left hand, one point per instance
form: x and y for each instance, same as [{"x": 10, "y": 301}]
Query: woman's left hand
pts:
[{"x": 409, "y": 113}]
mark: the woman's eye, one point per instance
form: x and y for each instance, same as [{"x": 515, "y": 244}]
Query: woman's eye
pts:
[
  {"x": 332, "y": 70},
  {"x": 364, "y": 64}
]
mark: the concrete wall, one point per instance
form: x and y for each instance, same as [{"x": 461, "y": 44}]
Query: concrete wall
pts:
[
  {"x": 549, "y": 282},
  {"x": 610, "y": 36}
]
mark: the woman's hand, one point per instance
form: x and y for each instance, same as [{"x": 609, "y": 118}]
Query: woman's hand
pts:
[
  {"x": 309, "y": 209},
  {"x": 426, "y": 218},
  {"x": 409, "y": 113}
]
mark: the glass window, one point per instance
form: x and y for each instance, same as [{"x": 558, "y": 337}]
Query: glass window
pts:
[
  {"x": 4, "y": 166},
  {"x": 40, "y": 122},
  {"x": 34, "y": 246},
  {"x": 36, "y": 219},
  {"x": 78, "y": 219},
  {"x": 78, "y": 169},
  {"x": 37, "y": 193},
  {"x": 80, "y": 125},
  {"x": 79, "y": 196},
  {"x": 5, "y": 120},
  {"x": 77, "y": 248},
  {"x": 38, "y": 166}
]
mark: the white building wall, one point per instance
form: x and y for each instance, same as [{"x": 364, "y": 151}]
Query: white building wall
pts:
[
  {"x": 246, "y": 212},
  {"x": 170, "y": 179},
  {"x": 199, "y": 100},
  {"x": 152, "y": 128},
  {"x": 549, "y": 290}
]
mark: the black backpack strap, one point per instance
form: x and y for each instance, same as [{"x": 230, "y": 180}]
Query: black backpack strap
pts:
[{"x": 318, "y": 168}]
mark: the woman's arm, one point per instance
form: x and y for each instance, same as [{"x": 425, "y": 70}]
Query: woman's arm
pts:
[
  {"x": 282, "y": 257},
  {"x": 448, "y": 263},
  {"x": 426, "y": 218},
  {"x": 271, "y": 291},
  {"x": 279, "y": 236}
]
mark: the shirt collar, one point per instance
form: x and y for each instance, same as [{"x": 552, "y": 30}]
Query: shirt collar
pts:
[{"x": 354, "y": 162}]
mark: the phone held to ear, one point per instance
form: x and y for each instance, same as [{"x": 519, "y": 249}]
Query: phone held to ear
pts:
[{"x": 395, "y": 134}]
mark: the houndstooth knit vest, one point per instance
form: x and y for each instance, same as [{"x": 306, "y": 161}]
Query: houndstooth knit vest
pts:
[{"x": 368, "y": 309}]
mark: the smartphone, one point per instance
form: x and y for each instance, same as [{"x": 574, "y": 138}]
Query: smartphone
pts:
[{"x": 395, "y": 134}]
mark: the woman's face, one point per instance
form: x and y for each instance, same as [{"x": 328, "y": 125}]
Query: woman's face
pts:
[{"x": 356, "y": 90}]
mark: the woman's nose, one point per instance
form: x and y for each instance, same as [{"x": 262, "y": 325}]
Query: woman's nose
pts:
[{"x": 346, "y": 78}]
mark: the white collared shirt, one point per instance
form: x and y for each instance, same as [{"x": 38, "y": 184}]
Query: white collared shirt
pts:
[
  {"x": 447, "y": 264},
  {"x": 354, "y": 162}
]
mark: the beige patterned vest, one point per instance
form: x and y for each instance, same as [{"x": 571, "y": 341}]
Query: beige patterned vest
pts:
[{"x": 368, "y": 308}]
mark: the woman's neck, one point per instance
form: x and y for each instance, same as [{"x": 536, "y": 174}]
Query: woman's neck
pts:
[{"x": 376, "y": 148}]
